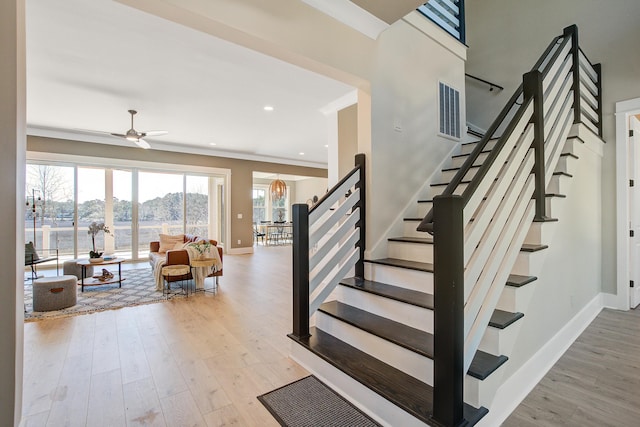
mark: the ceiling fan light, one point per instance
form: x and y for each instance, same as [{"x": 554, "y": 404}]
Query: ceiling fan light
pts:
[{"x": 132, "y": 138}]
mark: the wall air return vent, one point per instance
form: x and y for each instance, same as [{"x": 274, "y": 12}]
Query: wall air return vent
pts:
[{"x": 449, "y": 100}]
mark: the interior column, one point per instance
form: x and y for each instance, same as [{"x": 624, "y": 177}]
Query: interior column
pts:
[{"x": 12, "y": 191}]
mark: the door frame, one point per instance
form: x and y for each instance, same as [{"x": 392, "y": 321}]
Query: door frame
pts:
[{"x": 624, "y": 109}]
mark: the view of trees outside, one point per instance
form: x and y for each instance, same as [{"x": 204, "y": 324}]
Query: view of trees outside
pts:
[
  {"x": 161, "y": 202},
  {"x": 197, "y": 205},
  {"x": 262, "y": 205},
  {"x": 259, "y": 205}
]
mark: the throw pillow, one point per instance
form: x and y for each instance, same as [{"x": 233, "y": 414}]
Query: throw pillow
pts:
[
  {"x": 178, "y": 245},
  {"x": 30, "y": 254},
  {"x": 168, "y": 242}
]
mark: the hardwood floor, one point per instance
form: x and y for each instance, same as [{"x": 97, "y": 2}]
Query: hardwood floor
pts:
[
  {"x": 195, "y": 362},
  {"x": 595, "y": 383},
  {"x": 203, "y": 361}
]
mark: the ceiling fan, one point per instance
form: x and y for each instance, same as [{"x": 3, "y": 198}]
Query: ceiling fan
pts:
[{"x": 136, "y": 136}]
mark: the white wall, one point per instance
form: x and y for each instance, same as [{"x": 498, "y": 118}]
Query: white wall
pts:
[
  {"x": 307, "y": 188},
  {"x": 505, "y": 39},
  {"x": 408, "y": 66},
  {"x": 12, "y": 176}
]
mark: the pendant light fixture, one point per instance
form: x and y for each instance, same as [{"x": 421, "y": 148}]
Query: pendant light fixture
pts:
[{"x": 277, "y": 189}]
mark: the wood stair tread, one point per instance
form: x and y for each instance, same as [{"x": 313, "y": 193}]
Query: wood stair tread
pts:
[
  {"x": 467, "y": 155},
  {"x": 397, "y": 293},
  {"x": 416, "y": 340},
  {"x": 529, "y": 247},
  {"x": 403, "y": 390},
  {"x": 403, "y": 263},
  {"x": 516, "y": 280},
  {"x": 422, "y": 240},
  {"x": 499, "y": 319}
]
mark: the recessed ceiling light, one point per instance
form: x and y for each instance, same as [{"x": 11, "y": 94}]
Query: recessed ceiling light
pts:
[
  {"x": 301, "y": 153},
  {"x": 326, "y": 146},
  {"x": 212, "y": 143},
  {"x": 268, "y": 108}
]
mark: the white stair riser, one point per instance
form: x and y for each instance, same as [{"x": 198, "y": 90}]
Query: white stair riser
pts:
[
  {"x": 570, "y": 145},
  {"x": 456, "y": 162},
  {"x": 410, "y": 251},
  {"x": 400, "y": 358},
  {"x": 468, "y": 148},
  {"x": 410, "y": 229},
  {"x": 439, "y": 189},
  {"x": 540, "y": 233},
  {"x": 420, "y": 367},
  {"x": 447, "y": 176},
  {"x": 410, "y": 315},
  {"x": 528, "y": 263},
  {"x": 555, "y": 206},
  {"x": 424, "y": 208},
  {"x": 403, "y": 277},
  {"x": 500, "y": 341},
  {"x": 560, "y": 184},
  {"x": 567, "y": 164},
  {"x": 481, "y": 392},
  {"x": 516, "y": 299},
  {"x": 370, "y": 402}
]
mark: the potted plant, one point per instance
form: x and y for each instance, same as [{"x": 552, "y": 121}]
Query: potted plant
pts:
[
  {"x": 202, "y": 247},
  {"x": 95, "y": 228}
]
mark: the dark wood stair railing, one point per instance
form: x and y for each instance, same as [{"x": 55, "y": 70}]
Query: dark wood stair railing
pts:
[{"x": 311, "y": 245}]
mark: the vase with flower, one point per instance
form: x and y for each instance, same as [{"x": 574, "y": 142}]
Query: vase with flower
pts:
[
  {"x": 202, "y": 247},
  {"x": 94, "y": 229}
]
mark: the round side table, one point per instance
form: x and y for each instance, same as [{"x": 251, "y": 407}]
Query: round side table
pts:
[
  {"x": 204, "y": 263},
  {"x": 175, "y": 271}
]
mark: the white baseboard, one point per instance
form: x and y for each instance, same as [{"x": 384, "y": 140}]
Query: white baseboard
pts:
[
  {"x": 518, "y": 386},
  {"x": 240, "y": 251}
]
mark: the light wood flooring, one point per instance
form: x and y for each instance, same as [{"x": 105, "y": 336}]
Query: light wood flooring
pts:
[
  {"x": 191, "y": 362},
  {"x": 596, "y": 383},
  {"x": 203, "y": 361}
]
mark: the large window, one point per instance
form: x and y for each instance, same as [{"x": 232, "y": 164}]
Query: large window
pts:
[
  {"x": 49, "y": 214},
  {"x": 160, "y": 206},
  {"x": 259, "y": 205},
  {"x": 197, "y": 205},
  {"x": 91, "y": 207},
  {"x": 122, "y": 212},
  {"x": 264, "y": 209},
  {"x": 136, "y": 205}
]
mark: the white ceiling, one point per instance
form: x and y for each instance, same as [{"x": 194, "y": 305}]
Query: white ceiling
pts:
[{"x": 88, "y": 62}]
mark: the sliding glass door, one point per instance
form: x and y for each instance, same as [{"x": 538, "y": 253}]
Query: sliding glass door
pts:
[
  {"x": 49, "y": 211},
  {"x": 136, "y": 205}
]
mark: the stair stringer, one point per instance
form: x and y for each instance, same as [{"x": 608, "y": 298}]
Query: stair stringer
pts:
[{"x": 579, "y": 307}]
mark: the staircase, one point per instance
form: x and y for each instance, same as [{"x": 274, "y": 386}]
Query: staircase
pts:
[{"x": 398, "y": 335}]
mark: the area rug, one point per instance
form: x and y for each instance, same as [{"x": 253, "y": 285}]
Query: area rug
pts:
[
  {"x": 310, "y": 403},
  {"x": 137, "y": 288}
]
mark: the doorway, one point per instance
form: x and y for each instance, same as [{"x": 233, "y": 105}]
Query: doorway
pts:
[{"x": 628, "y": 203}]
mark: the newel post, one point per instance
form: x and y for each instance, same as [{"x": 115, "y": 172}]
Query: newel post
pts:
[
  {"x": 362, "y": 186},
  {"x": 572, "y": 31},
  {"x": 532, "y": 86},
  {"x": 300, "y": 270},
  {"x": 448, "y": 317},
  {"x": 598, "y": 70}
]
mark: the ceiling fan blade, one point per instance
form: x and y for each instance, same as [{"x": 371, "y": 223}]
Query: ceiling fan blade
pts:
[
  {"x": 142, "y": 144},
  {"x": 119, "y": 135},
  {"x": 155, "y": 132}
]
